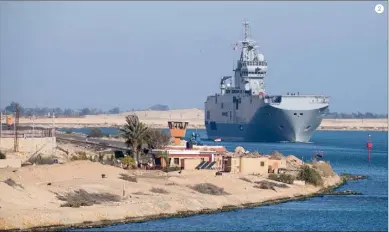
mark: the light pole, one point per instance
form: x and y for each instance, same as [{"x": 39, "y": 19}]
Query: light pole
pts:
[{"x": 1, "y": 126}]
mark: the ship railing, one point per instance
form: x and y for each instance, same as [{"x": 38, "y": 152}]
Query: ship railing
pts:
[{"x": 252, "y": 63}]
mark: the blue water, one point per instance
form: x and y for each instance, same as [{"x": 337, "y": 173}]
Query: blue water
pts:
[{"x": 347, "y": 154}]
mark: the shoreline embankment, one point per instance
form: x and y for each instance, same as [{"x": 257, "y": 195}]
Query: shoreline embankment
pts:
[
  {"x": 30, "y": 195},
  {"x": 187, "y": 213}
]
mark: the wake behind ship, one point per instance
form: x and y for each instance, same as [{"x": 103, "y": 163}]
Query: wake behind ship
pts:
[{"x": 244, "y": 112}]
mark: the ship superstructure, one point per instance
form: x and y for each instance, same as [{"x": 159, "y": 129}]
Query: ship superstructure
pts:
[{"x": 244, "y": 112}]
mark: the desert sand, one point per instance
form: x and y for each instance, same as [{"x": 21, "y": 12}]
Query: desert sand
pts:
[
  {"x": 32, "y": 202},
  {"x": 195, "y": 117}
]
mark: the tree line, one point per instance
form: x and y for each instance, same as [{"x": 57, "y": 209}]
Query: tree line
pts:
[
  {"x": 45, "y": 111},
  {"x": 358, "y": 115},
  {"x": 67, "y": 112}
]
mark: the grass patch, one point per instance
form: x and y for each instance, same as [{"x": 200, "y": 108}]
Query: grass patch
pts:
[
  {"x": 12, "y": 183},
  {"x": 171, "y": 183},
  {"x": 268, "y": 185},
  {"x": 159, "y": 190},
  {"x": 128, "y": 177},
  {"x": 211, "y": 189},
  {"x": 83, "y": 198},
  {"x": 310, "y": 175},
  {"x": 140, "y": 193},
  {"x": 245, "y": 179},
  {"x": 2, "y": 155},
  {"x": 44, "y": 160},
  {"x": 284, "y": 178}
]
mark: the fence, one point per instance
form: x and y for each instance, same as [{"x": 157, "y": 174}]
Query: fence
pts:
[{"x": 37, "y": 133}]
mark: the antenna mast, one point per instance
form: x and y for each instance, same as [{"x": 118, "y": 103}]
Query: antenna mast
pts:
[{"x": 246, "y": 29}]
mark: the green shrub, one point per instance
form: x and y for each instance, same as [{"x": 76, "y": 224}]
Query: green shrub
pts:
[
  {"x": 310, "y": 176},
  {"x": 284, "y": 178},
  {"x": 128, "y": 161}
]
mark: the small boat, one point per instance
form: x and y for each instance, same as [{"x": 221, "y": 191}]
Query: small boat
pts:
[{"x": 218, "y": 140}]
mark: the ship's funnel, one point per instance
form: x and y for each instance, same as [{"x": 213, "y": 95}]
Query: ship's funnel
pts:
[{"x": 177, "y": 130}]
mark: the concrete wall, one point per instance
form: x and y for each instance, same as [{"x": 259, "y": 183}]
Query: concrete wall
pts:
[
  {"x": 256, "y": 165},
  {"x": 191, "y": 164},
  {"x": 30, "y": 145},
  {"x": 276, "y": 164}
]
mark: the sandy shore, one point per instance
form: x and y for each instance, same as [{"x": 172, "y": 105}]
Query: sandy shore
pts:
[
  {"x": 32, "y": 203},
  {"x": 195, "y": 117}
]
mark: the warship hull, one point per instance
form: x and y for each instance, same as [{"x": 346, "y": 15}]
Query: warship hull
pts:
[{"x": 270, "y": 124}]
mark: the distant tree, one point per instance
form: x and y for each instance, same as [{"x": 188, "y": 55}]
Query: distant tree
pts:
[
  {"x": 159, "y": 107},
  {"x": 95, "y": 133},
  {"x": 135, "y": 134},
  {"x": 85, "y": 111},
  {"x": 157, "y": 138},
  {"x": 68, "y": 112},
  {"x": 115, "y": 110},
  {"x": 11, "y": 107}
]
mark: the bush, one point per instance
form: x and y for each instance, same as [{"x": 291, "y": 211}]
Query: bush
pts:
[
  {"x": 2, "y": 155},
  {"x": 210, "y": 189},
  {"x": 45, "y": 160},
  {"x": 158, "y": 190},
  {"x": 171, "y": 169},
  {"x": 83, "y": 198},
  {"x": 310, "y": 175},
  {"x": 68, "y": 131},
  {"x": 95, "y": 133},
  {"x": 80, "y": 155},
  {"x": 324, "y": 168},
  {"x": 268, "y": 185},
  {"x": 128, "y": 161},
  {"x": 284, "y": 178},
  {"x": 128, "y": 177}
]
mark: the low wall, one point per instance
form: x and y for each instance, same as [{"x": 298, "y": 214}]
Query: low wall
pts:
[{"x": 30, "y": 145}]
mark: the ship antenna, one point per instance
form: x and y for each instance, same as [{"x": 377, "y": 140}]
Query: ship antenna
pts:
[{"x": 246, "y": 29}]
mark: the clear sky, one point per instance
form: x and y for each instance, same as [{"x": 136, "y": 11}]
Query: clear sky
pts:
[{"x": 137, "y": 54}]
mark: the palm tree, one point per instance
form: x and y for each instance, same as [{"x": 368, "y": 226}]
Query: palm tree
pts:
[{"x": 135, "y": 134}]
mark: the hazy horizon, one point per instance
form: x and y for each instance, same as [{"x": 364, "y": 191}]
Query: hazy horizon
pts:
[{"x": 138, "y": 54}]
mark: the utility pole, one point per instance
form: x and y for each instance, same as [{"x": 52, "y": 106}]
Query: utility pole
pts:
[
  {"x": 53, "y": 134},
  {"x": 16, "y": 124},
  {"x": 1, "y": 126}
]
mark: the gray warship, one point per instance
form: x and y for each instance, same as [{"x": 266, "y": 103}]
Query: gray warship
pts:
[{"x": 244, "y": 112}]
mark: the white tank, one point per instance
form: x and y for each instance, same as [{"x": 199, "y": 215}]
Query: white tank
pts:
[{"x": 261, "y": 57}]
